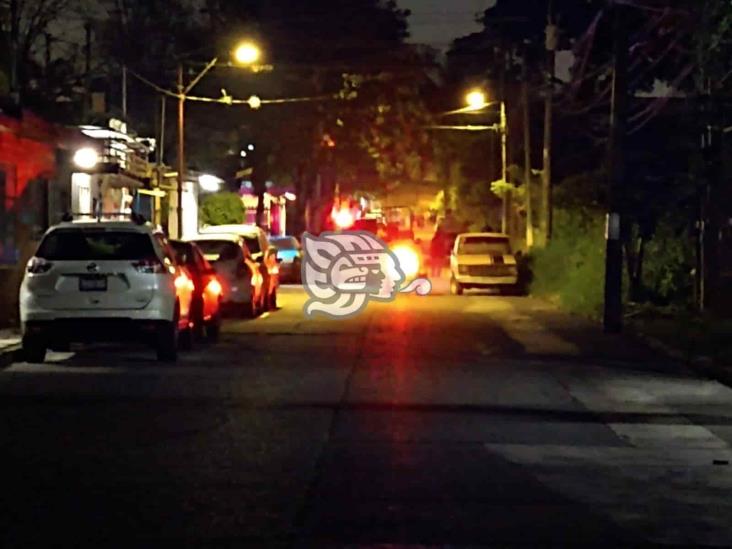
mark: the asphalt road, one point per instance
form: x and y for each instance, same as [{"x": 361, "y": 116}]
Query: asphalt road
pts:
[{"x": 428, "y": 422}]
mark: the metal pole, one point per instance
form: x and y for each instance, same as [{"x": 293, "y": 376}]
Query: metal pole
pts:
[
  {"x": 181, "y": 148},
  {"x": 504, "y": 167}
]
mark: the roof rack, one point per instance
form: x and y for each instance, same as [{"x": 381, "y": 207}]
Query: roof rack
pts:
[{"x": 136, "y": 218}]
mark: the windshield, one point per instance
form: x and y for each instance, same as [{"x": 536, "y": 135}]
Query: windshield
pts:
[
  {"x": 484, "y": 245},
  {"x": 218, "y": 250},
  {"x": 95, "y": 244},
  {"x": 253, "y": 244},
  {"x": 287, "y": 243}
]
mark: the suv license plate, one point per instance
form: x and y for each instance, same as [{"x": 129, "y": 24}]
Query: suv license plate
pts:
[{"x": 97, "y": 283}]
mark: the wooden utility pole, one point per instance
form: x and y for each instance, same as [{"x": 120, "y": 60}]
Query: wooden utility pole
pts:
[
  {"x": 527, "y": 151},
  {"x": 545, "y": 220},
  {"x": 613, "y": 314}
]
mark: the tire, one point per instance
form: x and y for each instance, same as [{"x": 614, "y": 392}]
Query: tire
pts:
[
  {"x": 61, "y": 346},
  {"x": 199, "y": 328},
  {"x": 455, "y": 287},
  {"x": 213, "y": 328},
  {"x": 34, "y": 349},
  {"x": 272, "y": 301},
  {"x": 185, "y": 339},
  {"x": 249, "y": 310},
  {"x": 166, "y": 345}
]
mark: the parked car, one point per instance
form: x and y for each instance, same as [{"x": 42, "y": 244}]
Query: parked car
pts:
[
  {"x": 289, "y": 256},
  {"x": 482, "y": 260},
  {"x": 206, "y": 306},
  {"x": 242, "y": 285},
  {"x": 262, "y": 252},
  {"x": 105, "y": 280}
]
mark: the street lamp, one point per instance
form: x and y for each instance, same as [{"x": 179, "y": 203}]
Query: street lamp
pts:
[
  {"x": 245, "y": 54},
  {"x": 86, "y": 158},
  {"x": 475, "y": 99},
  {"x": 210, "y": 183}
]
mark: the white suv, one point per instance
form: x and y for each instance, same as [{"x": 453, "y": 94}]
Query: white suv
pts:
[{"x": 106, "y": 280}]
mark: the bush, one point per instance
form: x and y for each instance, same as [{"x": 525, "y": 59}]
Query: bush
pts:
[
  {"x": 668, "y": 264},
  {"x": 222, "y": 209},
  {"x": 571, "y": 269}
]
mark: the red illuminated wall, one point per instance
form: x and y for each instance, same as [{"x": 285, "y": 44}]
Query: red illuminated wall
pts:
[{"x": 27, "y": 151}]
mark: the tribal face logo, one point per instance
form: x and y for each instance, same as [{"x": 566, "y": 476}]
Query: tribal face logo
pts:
[{"x": 342, "y": 271}]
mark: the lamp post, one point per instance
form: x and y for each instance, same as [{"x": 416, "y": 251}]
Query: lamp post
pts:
[
  {"x": 475, "y": 101},
  {"x": 246, "y": 53}
]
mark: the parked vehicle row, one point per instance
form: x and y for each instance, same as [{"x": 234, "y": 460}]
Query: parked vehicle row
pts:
[{"x": 122, "y": 280}]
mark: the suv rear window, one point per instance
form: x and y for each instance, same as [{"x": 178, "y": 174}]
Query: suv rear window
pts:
[
  {"x": 95, "y": 244},
  {"x": 478, "y": 245},
  {"x": 252, "y": 243},
  {"x": 218, "y": 250},
  {"x": 285, "y": 243}
]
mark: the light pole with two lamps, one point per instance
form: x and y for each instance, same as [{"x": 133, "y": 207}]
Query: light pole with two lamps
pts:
[{"x": 245, "y": 54}]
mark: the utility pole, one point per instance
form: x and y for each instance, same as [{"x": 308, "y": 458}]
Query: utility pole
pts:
[
  {"x": 613, "y": 314},
  {"x": 545, "y": 221},
  {"x": 181, "y": 148},
  {"x": 527, "y": 151}
]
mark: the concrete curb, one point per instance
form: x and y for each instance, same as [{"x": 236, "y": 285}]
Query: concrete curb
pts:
[{"x": 702, "y": 364}]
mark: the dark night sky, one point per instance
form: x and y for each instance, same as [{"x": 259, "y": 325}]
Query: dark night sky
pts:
[{"x": 439, "y": 22}]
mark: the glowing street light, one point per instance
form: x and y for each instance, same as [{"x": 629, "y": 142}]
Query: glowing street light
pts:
[
  {"x": 86, "y": 158},
  {"x": 209, "y": 183},
  {"x": 254, "y": 102},
  {"x": 476, "y": 99},
  {"x": 247, "y": 53}
]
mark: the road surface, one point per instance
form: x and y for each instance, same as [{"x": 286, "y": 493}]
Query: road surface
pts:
[{"x": 429, "y": 422}]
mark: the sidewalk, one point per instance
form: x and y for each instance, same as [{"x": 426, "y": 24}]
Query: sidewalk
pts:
[
  {"x": 703, "y": 344},
  {"x": 9, "y": 347}
]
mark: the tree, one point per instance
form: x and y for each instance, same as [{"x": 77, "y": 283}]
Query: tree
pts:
[
  {"x": 28, "y": 30},
  {"x": 222, "y": 209}
]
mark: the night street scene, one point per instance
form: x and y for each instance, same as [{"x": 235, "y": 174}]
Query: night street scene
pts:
[{"x": 365, "y": 273}]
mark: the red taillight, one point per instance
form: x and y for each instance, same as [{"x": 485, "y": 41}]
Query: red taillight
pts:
[
  {"x": 214, "y": 287},
  {"x": 37, "y": 265},
  {"x": 182, "y": 281},
  {"x": 150, "y": 266}
]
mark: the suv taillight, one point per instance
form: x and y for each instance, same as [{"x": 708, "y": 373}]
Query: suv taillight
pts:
[
  {"x": 37, "y": 265},
  {"x": 150, "y": 266}
]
